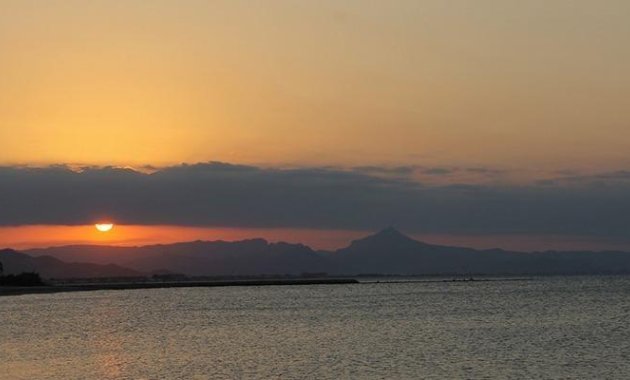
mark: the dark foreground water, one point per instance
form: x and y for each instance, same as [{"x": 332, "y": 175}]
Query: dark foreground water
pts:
[{"x": 561, "y": 327}]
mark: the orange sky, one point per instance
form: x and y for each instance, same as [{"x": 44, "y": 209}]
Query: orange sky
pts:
[
  {"x": 525, "y": 84},
  {"x": 45, "y": 236},
  {"x": 24, "y": 237}
]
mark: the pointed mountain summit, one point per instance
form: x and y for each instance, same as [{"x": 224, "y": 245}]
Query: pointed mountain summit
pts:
[
  {"x": 389, "y": 233},
  {"x": 387, "y": 251},
  {"x": 388, "y": 238}
]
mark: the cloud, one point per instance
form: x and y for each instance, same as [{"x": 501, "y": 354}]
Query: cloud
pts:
[
  {"x": 456, "y": 173},
  {"x": 386, "y": 170},
  {"x": 221, "y": 194},
  {"x": 485, "y": 171},
  {"x": 596, "y": 178},
  {"x": 438, "y": 171}
]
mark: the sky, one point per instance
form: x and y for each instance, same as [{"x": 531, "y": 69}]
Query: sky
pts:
[{"x": 484, "y": 123}]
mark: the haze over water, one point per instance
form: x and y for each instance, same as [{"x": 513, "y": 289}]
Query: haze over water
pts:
[{"x": 553, "y": 327}]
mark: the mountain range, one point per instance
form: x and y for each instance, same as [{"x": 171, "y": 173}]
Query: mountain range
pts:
[
  {"x": 386, "y": 252},
  {"x": 14, "y": 262}
]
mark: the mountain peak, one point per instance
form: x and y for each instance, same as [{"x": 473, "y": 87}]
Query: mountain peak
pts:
[
  {"x": 390, "y": 232},
  {"x": 385, "y": 237}
]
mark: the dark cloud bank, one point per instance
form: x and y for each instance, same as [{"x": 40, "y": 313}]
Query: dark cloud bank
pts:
[{"x": 219, "y": 194}]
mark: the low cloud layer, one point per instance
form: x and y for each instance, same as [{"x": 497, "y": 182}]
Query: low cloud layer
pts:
[{"x": 219, "y": 194}]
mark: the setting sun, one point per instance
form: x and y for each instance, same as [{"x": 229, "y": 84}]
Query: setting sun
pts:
[{"x": 104, "y": 227}]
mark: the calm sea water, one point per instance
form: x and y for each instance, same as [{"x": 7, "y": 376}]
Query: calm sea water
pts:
[{"x": 560, "y": 327}]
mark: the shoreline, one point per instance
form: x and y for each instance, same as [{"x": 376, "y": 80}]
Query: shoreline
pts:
[
  {"x": 50, "y": 289},
  {"x": 87, "y": 287}
]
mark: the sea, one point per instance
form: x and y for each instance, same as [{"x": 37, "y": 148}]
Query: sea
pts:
[{"x": 530, "y": 328}]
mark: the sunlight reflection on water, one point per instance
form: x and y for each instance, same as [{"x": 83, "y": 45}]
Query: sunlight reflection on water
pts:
[{"x": 570, "y": 327}]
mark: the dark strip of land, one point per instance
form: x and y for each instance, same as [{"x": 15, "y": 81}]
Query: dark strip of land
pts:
[
  {"x": 21, "y": 290},
  {"x": 378, "y": 281}
]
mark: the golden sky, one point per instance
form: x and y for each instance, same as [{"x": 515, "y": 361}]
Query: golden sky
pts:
[{"x": 498, "y": 83}]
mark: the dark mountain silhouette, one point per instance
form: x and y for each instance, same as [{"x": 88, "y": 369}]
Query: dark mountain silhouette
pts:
[
  {"x": 392, "y": 252},
  {"x": 386, "y": 252},
  {"x": 49, "y": 267},
  {"x": 201, "y": 258}
]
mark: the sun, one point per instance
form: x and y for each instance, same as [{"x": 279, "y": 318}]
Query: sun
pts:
[{"x": 104, "y": 227}]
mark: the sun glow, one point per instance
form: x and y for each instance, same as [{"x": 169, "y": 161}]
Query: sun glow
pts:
[{"x": 104, "y": 227}]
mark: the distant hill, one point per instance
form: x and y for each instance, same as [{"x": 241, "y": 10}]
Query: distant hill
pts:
[
  {"x": 391, "y": 252},
  {"x": 214, "y": 258},
  {"x": 386, "y": 252},
  {"x": 49, "y": 267}
]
